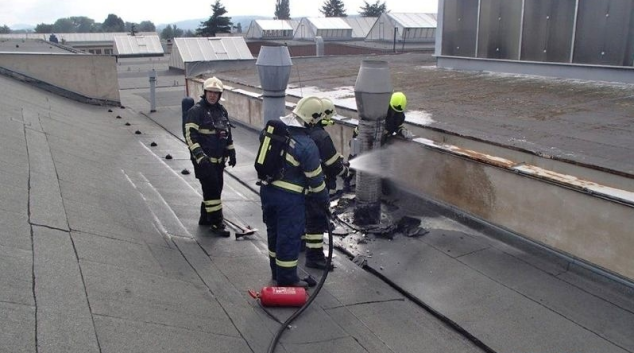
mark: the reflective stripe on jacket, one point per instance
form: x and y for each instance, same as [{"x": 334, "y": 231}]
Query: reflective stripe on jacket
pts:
[
  {"x": 303, "y": 172},
  {"x": 331, "y": 160},
  {"x": 208, "y": 132}
]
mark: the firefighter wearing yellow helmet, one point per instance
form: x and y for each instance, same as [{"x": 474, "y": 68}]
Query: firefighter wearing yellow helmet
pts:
[
  {"x": 394, "y": 126},
  {"x": 208, "y": 135},
  {"x": 395, "y": 117}
]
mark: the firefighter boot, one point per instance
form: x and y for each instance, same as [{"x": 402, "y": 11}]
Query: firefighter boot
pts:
[
  {"x": 219, "y": 230},
  {"x": 203, "y": 220},
  {"x": 315, "y": 259}
]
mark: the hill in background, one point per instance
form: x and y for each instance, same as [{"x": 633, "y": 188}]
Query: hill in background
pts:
[{"x": 244, "y": 22}]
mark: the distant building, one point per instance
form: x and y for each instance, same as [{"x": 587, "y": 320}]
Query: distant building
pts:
[
  {"x": 200, "y": 51},
  {"x": 25, "y": 36},
  {"x": 361, "y": 26},
  {"x": 92, "y": 43},
  {"x": 329, "y": 28},
  {"x": 137, "y": 46},
  {"x": 270, "y": 29},
  {"x": 404, "y": 27}
]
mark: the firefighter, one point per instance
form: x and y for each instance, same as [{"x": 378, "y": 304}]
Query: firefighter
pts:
[
  {"x": 395, "y": 118},
  {"x": 208, "y": 135},
  {"x": 394, "y": 126},
  {"x": 283, "y": 200},
  {"x": 332, "y": 164}
]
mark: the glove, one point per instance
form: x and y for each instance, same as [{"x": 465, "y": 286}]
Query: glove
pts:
[
  {"x": 232, "y": 160},
  {"x": 346, "y": 171},
  {"x": 331, "y": 183}
]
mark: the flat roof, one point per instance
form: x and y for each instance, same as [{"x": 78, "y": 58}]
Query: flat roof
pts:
[{"x": 586, "y": 122}]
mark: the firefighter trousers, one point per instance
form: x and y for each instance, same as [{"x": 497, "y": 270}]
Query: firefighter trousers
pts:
[
  {"x": 212, "y": 182},
  {"x": 284, "y": 216},
  {"x": 316, "y": 225}
]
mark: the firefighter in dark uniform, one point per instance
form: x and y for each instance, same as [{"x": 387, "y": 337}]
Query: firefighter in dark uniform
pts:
[
  {"x": 395, "y": 118},
  {"x": 208, "y": 135},
  {"x": 283, "y": 200},
  {"x": 332, "y": 164}
]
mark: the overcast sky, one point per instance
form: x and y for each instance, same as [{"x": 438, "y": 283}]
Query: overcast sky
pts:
[{"x": 33, "y": 12}]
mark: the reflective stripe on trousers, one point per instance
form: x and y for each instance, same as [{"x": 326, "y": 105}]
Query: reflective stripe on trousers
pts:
[
  {"x": 284, "y": 216},
  {"x": 316, "y": 226}
]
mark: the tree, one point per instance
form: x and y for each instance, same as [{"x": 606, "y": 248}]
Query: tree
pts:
[
  {"x": 239, "y": 28},
  {"x": 146, "y": 26},
  {"x": 83, "y": 24},
  {"x": 189, "y": 34},
  {"x": 5, "y": 29},
  {"x": 333, "y": 8},
  {"x": 64, "y": 25},
  {"x": 217, "y": 23},
  {"x": 374, "y": 10},
  {"x": 282, "y": 10},
  {"x": 170, "y": 32},
  {"x": 44, "y": 28},
  {"x": 113, "y": 23}
]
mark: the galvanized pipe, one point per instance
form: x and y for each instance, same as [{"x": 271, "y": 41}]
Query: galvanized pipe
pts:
[
  {"x": 152, "y": 76},
  {"x": 319, "y": 46},
  {"x": 372, "y": 93},
  {"x": 274, "y": 68}
]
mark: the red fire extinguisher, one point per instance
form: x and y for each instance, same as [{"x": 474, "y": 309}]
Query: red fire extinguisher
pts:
[{"x": 281, "y": 296}]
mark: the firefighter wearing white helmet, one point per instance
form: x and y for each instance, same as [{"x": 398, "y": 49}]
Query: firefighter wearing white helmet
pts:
[
  {"x": 309, "y": 110},
  {"x": 284, "y": 199},
  {"x": 208, "y": 135},
  {"x": 333, "y": 166}
]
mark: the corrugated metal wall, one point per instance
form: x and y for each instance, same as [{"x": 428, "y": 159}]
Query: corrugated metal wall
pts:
[{"x": 598, "y": 32}]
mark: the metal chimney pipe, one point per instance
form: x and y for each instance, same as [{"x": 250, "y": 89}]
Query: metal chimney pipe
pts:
[
  {"x": 319, "y": 46},
  {"x": 152, "y": 76},
  {"x": 372, "y": 93},
  {"x": 274, "y": 68}
]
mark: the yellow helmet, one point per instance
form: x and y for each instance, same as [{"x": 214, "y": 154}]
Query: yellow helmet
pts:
[
  {"x": 398, "y": 102},
  {"x": 309, "y": 109},
  {"x": 213, "y": 84},
  {"x": 329, "y": 108}
]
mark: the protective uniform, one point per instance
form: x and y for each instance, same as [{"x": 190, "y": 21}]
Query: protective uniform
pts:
[
  {"x": 208, "y": 135},
  {"x": 395, "y": 117},
  {"x": 332, "y": 165},
  {"x": 283, "y": 200}
]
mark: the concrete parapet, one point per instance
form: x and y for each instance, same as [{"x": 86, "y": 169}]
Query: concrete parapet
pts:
[{"x": 93, "y": 77}]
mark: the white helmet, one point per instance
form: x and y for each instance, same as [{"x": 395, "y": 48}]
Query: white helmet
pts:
[
  {"x": 213, "y": 84},
  {"x": 329, "y": 108},
  {"x": 309, "y": 109}
]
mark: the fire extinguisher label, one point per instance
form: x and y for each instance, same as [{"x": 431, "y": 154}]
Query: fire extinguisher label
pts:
[{"x": 284, "y": 290}]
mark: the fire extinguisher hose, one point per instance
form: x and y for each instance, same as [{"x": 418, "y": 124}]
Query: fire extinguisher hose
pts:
[{"x": 299, "y": 311}]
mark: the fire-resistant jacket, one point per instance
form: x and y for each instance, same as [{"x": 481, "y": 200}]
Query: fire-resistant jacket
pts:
[
  {"x": 303, "y": 172},
  {"x": 331, "y": 160},
  {"x": 394, "y": 122},
  {"x": 208, "y": 132}
]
